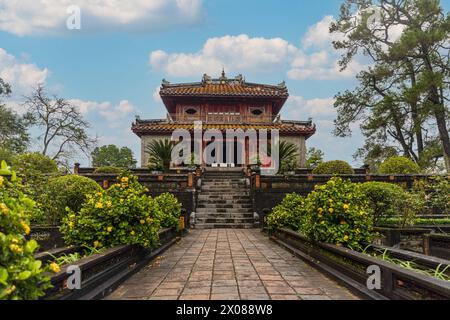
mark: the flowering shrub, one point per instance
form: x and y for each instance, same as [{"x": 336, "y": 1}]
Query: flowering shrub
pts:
[
  {"x": 436, "y": 192},
  {"x": 21, "y": 276},
  {"x": 123, "y": 214},
  {"x": 338, "y": 213},
  {"x": 288, "y": 214},
  {"x": 167, "y": 210}
]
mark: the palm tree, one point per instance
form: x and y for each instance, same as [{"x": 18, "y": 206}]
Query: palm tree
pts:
[
  {"x": 160, "y": 152},
  {"x": 287, "y": 151}
]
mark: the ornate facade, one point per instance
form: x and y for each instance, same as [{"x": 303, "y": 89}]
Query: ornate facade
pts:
[{"x": 223, "y": 104}]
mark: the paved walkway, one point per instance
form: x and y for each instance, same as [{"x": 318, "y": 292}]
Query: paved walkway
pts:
[{"x": 229, "y": 265}]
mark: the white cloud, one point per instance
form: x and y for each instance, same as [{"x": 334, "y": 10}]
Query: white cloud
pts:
[
  {"x": 29, "y": 17},
  {"x": 235, "y": 53},
  {"x": 298, "y": 107},
  {"x": 22, "y": 76},
  {"x": 111, "y": 113}
]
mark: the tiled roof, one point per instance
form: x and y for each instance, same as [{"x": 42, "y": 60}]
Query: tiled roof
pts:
[
  {"x": 223, "y": 86},
  {"x": 289, "y": 128}
]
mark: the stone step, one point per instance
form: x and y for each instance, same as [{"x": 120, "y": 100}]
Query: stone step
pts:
[
  {"x": 222, "y": 196},
  {"x": 224, "y": 226},
  {"x": 224, "y": 190},
  {"x": 224, "y": 202},
  {"x": 225, "y": 206},
  {"x": 224, "y": 221},
  {"x": 223, "y": 211}
]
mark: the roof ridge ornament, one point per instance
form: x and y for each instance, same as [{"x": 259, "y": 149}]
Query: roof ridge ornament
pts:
[
  {"x": 165, "y": 83},
  {"x": 206, "y": 79},
  {"x": 223, "y": 77},
  {"x": 282, "y": 84}
]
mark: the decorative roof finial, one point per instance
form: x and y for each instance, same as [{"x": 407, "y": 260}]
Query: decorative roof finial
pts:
[{"x": 223, "y": 78}]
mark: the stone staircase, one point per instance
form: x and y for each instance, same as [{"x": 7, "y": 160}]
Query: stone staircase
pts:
[{"x": 224, "y": 201}]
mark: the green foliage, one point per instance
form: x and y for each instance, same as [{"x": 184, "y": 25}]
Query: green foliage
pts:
[
  {"x": 288, "y": 166},
  {"x": 314, "y": 157},
  {"x": 437, "y": 198},
  {"x": 399, "y": 165},
  {"x": 29, "y": 165},
  {"x": 68, "y": 191},
  {"x": 123, "y": 214},
  {"x": 385, "y": 199},
  {"x": 6, "y": 155},
  {"x": 338, "y": 213},
  {"x": 21, "y": 276},
  {"x": 289, "y": 213},
  {"x": 160, "y": 153},
  {"x": 108, "y": 170},
  {"x": 167, "y": 210},
  {"x": 13, "y": 131},
  {"x": 334, "y": 167},
  {"x": 112, "y": 156}
]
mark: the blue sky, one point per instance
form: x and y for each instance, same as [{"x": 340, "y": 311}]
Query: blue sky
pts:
[{"x": 113, "y": 66}]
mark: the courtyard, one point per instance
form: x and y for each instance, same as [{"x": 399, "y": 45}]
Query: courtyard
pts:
[{"x": 223, "y": 264}]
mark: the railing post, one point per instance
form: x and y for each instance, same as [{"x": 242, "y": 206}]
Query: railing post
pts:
[
  {"x": 76, "y": 168},
  {"x": 190, "y": 180},
  {"x": 257, "y": 181}
]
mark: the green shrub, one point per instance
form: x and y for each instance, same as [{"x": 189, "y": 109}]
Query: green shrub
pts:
[
  {"x": 28, "y": 164},
  {"x": 121, "y": 215},
  {"x": 385, "y": 199},
  {"x": 399, "y": 165},
  {"x": 438, "y": 195},
  {"x": 338, "y": 213},
  {"x": 334, "y": 167},
  {"x": 65, "y": 192},
  {"x": 167, "y": 210},
  {"x": 21, "y": 276},
  {"x": 288, "y": 214},
  {"x": 6, "y": 155},
  {"x": 109, "y": 170}
]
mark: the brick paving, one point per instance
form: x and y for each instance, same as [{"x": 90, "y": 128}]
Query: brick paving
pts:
[{"x": 225, "y": 264}]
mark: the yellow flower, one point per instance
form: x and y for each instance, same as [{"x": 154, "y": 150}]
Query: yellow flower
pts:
[
  {"x": 142, "y": 221},
  {"x": 358, "y": 231},
  {"x": 323, "y": 222},
  {"x": 99, "y": 205},
  {"x": 331, "y": 210},
  {"x": 320, "y": 210},
  {"x": 97, "y": 244},
  {"x": 124, "y": 180},
  {"x": 70, "y": 224},
  {"x": 10, "y": 290},
  {"x": 346, "y": 238},
  {"x": 54, "y": 267},
  {"x": 109, "y": 204},
  {"x": 132, "y": 233},
  {"x": 109, "y": 229},
  {"x": 26, "y": 228},
  {"x": 1, "y": 180},
  {"x": 149, "y": 219},
  {"x": 346, "y": 207},
  {"x": 99, "y": 194},
  {"x": 15, "y": 248},
  {"x": 4, "y": 208}
]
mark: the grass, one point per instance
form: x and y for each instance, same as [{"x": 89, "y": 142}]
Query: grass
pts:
[
  {"x": 70, "y": 258},
  {"x": 440, "y": 272}
]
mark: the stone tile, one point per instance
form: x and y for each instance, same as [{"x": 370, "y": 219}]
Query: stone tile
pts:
[
  {"x": 224, "y": 283},
  {"x": 196, "y": 290},
  {"x": 284, "y": 297},
  {"x": 171, "y": 285},
  {"x": 167, "y": 292},
  {"x": 255, "y": 296},
  {"x": 224, "y": 296},
  {"x": 314, "y": 297},
  {"x": 280, "y": 290},
  {"x": 227, "y": 290},
  {"x": 308, "y": 291},
  {"x": 194, "y": 297},
  {"x": 249, "y": 290}
]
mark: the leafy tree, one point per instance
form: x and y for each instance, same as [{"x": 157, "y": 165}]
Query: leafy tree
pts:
[
  {"x": 63, "y": 129},
  {"x": 13, "y": 131},
  {"x": 160, "y": 152},
  {"x": 112, "y": 156},
  {"x": 406, "y": 88},
  {"x": 314, "y": 157}
]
